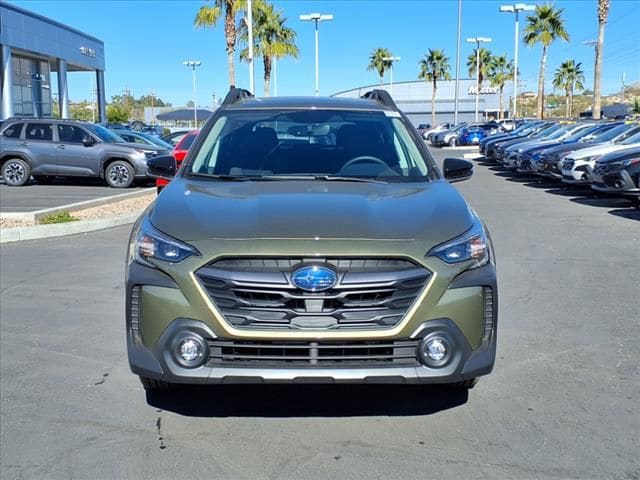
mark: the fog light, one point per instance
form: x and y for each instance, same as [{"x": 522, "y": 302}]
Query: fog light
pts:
[
  {"x": 190, "y": 350},
  {"x": 436, "y": 349}
]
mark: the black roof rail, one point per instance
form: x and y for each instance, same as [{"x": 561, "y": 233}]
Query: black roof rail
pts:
[
  {"x": 382, "y": 97},
  {"x": 235, "y": 95}
]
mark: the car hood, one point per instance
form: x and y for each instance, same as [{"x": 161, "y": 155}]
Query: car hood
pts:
[
  {"x": 597, "y": 150},
  {"x": 192, "y": 210},
  {"x": 139, "y": 146}
]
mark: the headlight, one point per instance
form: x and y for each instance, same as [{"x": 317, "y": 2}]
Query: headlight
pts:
[
  {"x": 471, "y": 245},
  {"x": 152, "y": 243}
]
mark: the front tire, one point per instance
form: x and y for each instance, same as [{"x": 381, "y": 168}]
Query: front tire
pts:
[
  {"x": 119, "y": 174},
  {"x": 153, "y": 385},
  {"x": 16, "y": 172}
]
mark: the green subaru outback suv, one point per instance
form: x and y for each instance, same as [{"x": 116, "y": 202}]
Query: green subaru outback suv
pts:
[{"x": 310, "y": 240}]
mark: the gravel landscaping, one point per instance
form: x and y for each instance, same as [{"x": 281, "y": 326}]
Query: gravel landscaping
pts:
[{"x": 116, "y": 209}]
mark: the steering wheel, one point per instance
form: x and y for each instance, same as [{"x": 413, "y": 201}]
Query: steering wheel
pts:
[{"x": 364, "y": 159}]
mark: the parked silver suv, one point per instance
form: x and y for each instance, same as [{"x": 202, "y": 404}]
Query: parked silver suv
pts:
[{"x": 47, "y": 148}]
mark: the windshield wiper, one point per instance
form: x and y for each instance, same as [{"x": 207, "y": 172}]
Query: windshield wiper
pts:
[
  {"x": 338, "y": 178},
  {"x": 267, "y": 178}
]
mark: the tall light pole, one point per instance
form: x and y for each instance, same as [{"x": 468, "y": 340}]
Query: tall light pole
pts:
[
  {"x": 192, "y": 64},
  {"x": 455, "y": 108},
  {"x": 317, "y": 18},
  {"x": 517, "y": 8},
  {"x": 391, "y": 59},
  {"x": 478, "y": 41},
  {"x": 252, "y": 81}
]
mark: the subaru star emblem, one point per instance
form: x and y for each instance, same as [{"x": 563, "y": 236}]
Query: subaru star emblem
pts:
[{"x": 314, "y": 278}]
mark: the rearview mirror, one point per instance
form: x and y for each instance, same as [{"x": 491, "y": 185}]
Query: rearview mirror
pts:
[
  {"x": 88, "y": 141},
  {"x": 457, "y": 170},
  {"x": 162, "y": 166}
]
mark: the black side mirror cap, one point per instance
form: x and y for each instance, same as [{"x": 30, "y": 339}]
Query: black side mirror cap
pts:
[
  {"x": 88, "y": 141},
  {"x": 162, "y": 166},
  {"x": 457, "y": 169}
]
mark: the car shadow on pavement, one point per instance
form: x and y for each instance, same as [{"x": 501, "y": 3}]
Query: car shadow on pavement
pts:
[
  {"x": 629, "y": 213},
  {"x": 604, "y": 202},
  {"x": 308, "y": 400}
]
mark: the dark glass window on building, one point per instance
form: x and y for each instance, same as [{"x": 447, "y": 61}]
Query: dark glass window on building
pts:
[{"x": 31, "y": 87}]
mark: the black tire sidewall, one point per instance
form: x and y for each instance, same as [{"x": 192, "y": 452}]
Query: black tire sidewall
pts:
[
  {"x": 25, "y": 165},
  {"x": 125, "y": 164}
]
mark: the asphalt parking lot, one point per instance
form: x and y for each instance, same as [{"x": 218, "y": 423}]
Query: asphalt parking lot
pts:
[
  {"x": 33, "y": 197},
  {"x": 561, "y": 403}
]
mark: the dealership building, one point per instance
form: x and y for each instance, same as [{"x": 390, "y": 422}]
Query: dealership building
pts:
[
  {"x": 414, "y": 99},
  {"x": 32, "y": 47}
]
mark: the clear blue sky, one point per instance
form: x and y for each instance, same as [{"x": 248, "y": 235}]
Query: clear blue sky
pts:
[{"x": 146, "y": 42}]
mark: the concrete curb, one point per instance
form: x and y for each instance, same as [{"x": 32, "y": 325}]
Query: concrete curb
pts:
[
  {"x": 74, "y": 207},
  {"x": 8, "y": 235},
  {"x": 472, "y": 156}
]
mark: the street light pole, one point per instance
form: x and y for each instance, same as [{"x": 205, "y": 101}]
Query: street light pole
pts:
[
  {"x": 316, "y": 18},
  {"x": 478, "y": 41},
  {"x": 455, "y": 111},
  {"x": 517, "y": 8},
  {"x": 252, "y": 81},
  {"x": 193, "y": 64},
  {"x": 391, "y": 59}
]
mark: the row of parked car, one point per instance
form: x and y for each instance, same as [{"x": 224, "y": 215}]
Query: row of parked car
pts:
[
  {"x": 465, "y": 133},
  {"x": 602, "y": 155},
  {"x": 46, "y": 149}
]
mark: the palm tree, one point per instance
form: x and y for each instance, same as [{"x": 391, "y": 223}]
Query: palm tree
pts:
[
  {"x": 544, "y": 26},
  {"x": 207, "y": 17},
  {"x": 569, "y": 77},
  {"x": 603, "y": 13},
  {"x": 485, "y": 61},
  {"x": 378, "y": 63},
  {"x": 433, "y": 67},
  {"x": 501, "y": 71},
  {"x": 271, "y": 37}
]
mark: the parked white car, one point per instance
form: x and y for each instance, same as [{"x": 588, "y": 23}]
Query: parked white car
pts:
[{"x": 577, "y": 167}]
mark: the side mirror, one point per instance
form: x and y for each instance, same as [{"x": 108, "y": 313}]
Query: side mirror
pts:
[
  {"x": 457, "y": 170},
  {"x": 162, "y": 166},
  {"x": 88, "y": 141}
]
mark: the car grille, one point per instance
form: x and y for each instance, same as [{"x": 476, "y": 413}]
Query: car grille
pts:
[
  {"x": 257, "y": 293},
  {"x": 312, "y": 354}
]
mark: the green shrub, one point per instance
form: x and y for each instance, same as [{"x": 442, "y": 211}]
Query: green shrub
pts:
[{"x": 61, "y": 217}]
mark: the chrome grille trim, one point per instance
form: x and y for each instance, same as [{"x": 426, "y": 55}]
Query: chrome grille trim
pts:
[
  {"x": 488, "y": 313},
  {"x": 257, "y": 293},
  {"x": 135, "y": 309}
]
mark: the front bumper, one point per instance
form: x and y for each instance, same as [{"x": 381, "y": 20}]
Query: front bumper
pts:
[{"x": 152, "y": 355}]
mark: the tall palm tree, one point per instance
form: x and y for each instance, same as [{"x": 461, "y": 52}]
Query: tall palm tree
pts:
[
  {"x": 207, "y": 17},
  {"x": 485, "y": 62},
  {"x": 433, "y": 67},
  {"x": 272, "y": 39},
  {"x": 603, "y": 13},
  {"x": 378, "y": 63},
  {"x": 544, "y": 26},
  {"x": 501, "y": 71},
  {"x": 569, "y": 77}
]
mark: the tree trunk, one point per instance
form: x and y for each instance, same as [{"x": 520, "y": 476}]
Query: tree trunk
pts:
[
  {"x": 567, "y": 104},
  {"x": 433, "y": 103},
  {"x": 230, "y": 36},
  {"x": 266, "y": 59},
  {"x": 598, "y": 72},
  {"x": 381, "y": 78},
  {"x": 500, "y": 113},
  {"x": 543, "y": 63}
]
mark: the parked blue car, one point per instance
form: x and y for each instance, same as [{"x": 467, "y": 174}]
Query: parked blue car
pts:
[{"x": 472, "y": 136}]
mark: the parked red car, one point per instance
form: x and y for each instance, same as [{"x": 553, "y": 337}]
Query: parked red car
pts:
[{"x": 179, "y": 153}]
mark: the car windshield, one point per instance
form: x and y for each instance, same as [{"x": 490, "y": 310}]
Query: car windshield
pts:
[
  {"x": 635, "y": 138},
  {"x": 581, "y": 132},
  {"x": 280, "y": 145},
  {"x": 611, "y": 134},
  {"x": 155, "y": 141},
  {"x": 104, "y": 134}
]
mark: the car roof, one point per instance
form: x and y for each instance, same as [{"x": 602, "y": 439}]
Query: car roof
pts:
[{"x": 337, "y": 103}]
